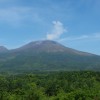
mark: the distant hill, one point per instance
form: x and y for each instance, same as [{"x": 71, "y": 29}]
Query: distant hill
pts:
[
  {"x": 3, "y": 49},
  {"x": 47, "y": 56}
]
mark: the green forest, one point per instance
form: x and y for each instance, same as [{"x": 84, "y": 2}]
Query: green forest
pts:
[{"x": 76, "y": 85}]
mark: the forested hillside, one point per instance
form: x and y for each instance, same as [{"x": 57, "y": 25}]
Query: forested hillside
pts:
[{"x": 51, "y": 86}]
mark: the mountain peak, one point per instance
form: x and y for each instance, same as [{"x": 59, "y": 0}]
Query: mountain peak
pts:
[
  {"x": 49, "y": 46},
  {"x": 42, "y": 46},
  {"x": 43, "y": 42}
]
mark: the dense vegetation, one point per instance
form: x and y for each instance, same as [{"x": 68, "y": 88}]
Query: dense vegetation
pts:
[
  {"x": 83, "y": 85},
  {"x": 24, "y": 62}
]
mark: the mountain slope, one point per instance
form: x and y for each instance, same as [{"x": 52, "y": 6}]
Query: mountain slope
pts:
[
  {"x": 3, "y": 49},
  {"x": 49, "y": 46},
  {"x": 48, "y": 56}
]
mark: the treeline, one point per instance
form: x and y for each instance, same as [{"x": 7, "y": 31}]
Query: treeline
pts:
[{"x": 82, "y": 85}]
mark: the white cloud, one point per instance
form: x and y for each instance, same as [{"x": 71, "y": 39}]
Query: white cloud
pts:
[
  {"x": 9, "y": 15},
  {"x": 82, "y": 37},
  {"x": 57, "y": 30},
  {"x": 16, "y": 15},
  {"x": 97, "y": 35}
]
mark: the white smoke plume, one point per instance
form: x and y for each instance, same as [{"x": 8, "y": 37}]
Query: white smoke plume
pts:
[{"x": 57, "y": 30}]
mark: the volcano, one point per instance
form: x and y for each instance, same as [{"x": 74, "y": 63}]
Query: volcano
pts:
[{"x": 47, "y": 56}]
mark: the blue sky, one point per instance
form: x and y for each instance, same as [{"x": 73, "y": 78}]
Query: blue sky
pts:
[{"x": 74, "y": 23}]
